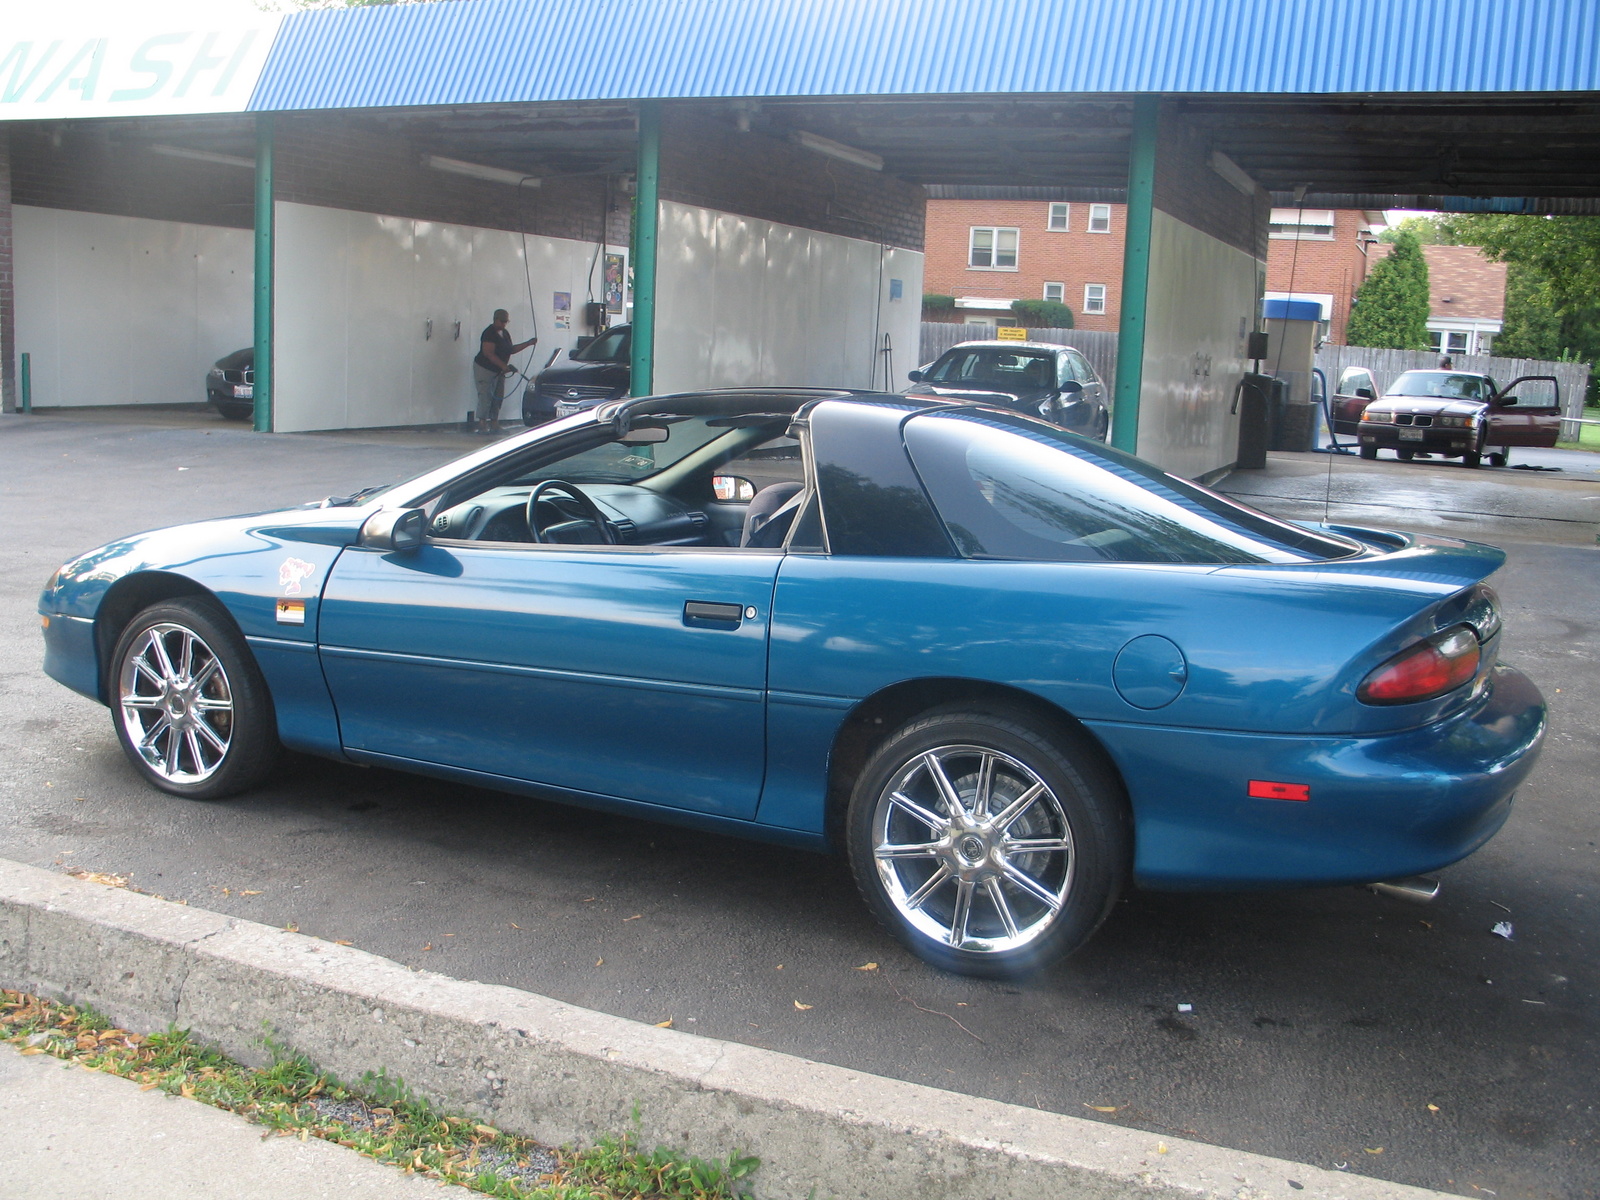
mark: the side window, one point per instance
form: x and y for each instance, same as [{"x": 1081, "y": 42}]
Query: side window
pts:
[
  {"x": 1086, "y": 373},
  {"x": 1066, "y": 370}
]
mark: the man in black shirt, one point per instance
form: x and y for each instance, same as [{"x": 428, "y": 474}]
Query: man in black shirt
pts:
[{"x": 490, "y": 368}]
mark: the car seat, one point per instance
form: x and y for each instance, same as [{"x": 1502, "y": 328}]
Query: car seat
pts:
[{"x": 771, "y": 512}]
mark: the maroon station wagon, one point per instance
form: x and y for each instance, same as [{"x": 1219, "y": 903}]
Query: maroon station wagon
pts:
[{"x": 1460, "y": 414}]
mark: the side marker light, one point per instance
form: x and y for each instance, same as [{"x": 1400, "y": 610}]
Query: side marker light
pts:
[{"x": 1266, "y": 789}]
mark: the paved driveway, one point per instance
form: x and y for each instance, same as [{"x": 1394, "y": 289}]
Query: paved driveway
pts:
[{"x": 1328, "y": 1026}]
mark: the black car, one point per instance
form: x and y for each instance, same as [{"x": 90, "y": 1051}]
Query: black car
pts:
[
  {"x": 598, "y": 371},
  {"x": 1036, "y": 378},
  {"x": 231, "y": 384}
]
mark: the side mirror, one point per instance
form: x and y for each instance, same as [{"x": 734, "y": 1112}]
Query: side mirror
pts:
[
  {"x": 399, "y": 530},
  {"x": 914, "y": 376},
  {"x": 1071, "y": 389},
  {"x": 1505, "y": 401},
  {"x": 732, "y": 487},
  {"x": 1365, "y": 393}
]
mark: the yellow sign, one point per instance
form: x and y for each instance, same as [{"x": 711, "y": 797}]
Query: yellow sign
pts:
[{"x": 1011, "y": 333}]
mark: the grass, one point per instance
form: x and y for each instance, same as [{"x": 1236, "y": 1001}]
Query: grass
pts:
[
  {"x": 378, "y": 1116},
  {"x": 1588, "y": 435}
]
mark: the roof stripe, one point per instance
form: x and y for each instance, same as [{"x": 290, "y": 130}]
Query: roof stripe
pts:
[{"x": 496, "y": 51}]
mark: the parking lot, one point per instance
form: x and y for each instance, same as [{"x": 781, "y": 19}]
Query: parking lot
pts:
[{"x": 1330, "y": 1026}]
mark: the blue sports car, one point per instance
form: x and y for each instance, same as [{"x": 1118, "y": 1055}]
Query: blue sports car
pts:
[{"x": 1007, "y": 670}]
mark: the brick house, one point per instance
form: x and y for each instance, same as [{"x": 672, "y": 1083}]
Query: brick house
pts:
[
  {"x": 1466, "y": 298},
  {"x": 987, "y": 253}
]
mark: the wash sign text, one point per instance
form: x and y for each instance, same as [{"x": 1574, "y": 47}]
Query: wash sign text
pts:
[{"x": 51, "y": 74}]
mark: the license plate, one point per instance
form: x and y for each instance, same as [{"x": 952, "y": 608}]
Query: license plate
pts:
[
  {"x": 566, "y": 410},
  {"x": 244, "y": 391},
  {"x": 1411, "y": 435}
]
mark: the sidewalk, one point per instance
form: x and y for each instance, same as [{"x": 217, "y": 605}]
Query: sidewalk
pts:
[{"x": 67, "y": 1133}]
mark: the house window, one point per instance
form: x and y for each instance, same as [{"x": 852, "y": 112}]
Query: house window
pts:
[
  {"x": 1094, "y": 298},
  {"x": 1099, "y": 218},
  {"x": 1059, "y": 215},
  {"x": 992, "y": 249},
  {"x": 1295, "y": 224},
  {"x": 1056, "y": 292}
]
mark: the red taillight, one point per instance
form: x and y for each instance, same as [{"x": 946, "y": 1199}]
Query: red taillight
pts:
[{"x": 1441, "y": 664}]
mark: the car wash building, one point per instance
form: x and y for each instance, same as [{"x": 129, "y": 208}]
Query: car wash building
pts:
[{"x": 353, "y": 192}]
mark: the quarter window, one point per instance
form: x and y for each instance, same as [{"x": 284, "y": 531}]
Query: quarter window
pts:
[
  {"x": 1094, "y": 298},
  {"x": 1060, "y": 216},
  {"x": 1056, "y": 292},
  {"x": 992, "y": 249},
  {"x": 1099, "y": 218}
]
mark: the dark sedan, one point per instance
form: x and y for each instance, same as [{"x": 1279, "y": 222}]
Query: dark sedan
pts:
[
  {"x": 597, "y": 371},
  {"x": 230, "y": 384},
  {"x": 1461, "y": 414},
  {"x": 1038, "y": 379}
]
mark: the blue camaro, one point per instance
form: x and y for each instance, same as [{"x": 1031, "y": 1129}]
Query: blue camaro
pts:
[{"x": 1007, "y": 670}]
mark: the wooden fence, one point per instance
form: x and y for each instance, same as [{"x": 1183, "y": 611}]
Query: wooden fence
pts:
[
  {"x": 1387, "y": 365},
  {"x": 1099, "y": 348}
]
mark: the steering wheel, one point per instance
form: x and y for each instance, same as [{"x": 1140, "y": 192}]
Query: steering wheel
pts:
[{"x": 592, "y": 516}]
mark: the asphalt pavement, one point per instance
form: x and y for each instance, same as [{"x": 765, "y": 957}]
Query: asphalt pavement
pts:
[{"x": 1330, "y": 1026}]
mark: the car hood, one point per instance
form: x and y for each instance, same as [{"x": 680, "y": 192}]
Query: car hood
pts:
[
  {"x": 237, "y": 361},
  {"x": 204, "y": 550},
  {"x": 979, "y": 396},
  {"x": 596, "y": 374},
  {"x": 1437, "y": 405}
]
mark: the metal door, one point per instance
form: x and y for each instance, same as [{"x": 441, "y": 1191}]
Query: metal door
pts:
[{"x": 637, "y": 673}]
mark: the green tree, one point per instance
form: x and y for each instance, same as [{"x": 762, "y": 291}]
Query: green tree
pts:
[
  {"x": 1042, "y": 314},
  {"x": 1391, "y": 308},
  {"x": 1430, "y": 231}
]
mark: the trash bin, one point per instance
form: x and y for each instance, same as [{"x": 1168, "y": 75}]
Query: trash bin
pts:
[
  {"x": 1296, "y": 425},
  {"x": 1256, "y": 393}
]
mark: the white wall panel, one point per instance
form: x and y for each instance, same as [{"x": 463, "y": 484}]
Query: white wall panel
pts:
[
  {"x": 744, "y": 302},
  {"x": 123, "y": 310},
  {"x": 355, "y": 293},
  {"x": 1202, "y": 297}
]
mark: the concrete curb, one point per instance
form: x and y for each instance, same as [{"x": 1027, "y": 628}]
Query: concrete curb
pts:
[{"x": 564, "y": 1074}]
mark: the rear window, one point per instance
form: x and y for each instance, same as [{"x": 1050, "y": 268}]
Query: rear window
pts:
[
  {"x": 994, "y": 369},
  {"x": 1011, "y": 488}
]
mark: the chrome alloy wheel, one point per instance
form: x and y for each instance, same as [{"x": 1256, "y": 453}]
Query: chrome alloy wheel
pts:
[
  {"x": 973, "y": 848},
  {"x": 176, "y": 704}
]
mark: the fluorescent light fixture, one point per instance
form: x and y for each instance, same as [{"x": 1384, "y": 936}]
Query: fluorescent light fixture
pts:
[
  {"x": 478, "y": 171},
  {"x": 1233, "y": 173},
  {"x": 205, "y": 156},
  {"x": 833, "y": 149}
]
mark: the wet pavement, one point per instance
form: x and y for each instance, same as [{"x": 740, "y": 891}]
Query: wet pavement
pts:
[{"x": 1327, "y": 1026}]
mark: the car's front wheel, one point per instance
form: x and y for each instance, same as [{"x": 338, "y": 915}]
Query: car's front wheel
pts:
[
  {"x": 190, "y": 706},
  {"x": 987, "y": 842},
  {"x": 1369, "y": 452}
]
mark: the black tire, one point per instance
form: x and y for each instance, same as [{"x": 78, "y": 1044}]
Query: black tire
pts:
[
  {"x": 1078, "y": 823},
  {"x": 194, "y": 716},
  {"x": 1472, "y": 459},
  {"x": 1369, "y": 452},
  {"x": 1500, "y": 457},
  {"x": 1405, "y": 455}
]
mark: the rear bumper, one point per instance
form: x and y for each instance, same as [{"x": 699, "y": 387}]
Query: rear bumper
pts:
[{"x": 1380, "y": 808}]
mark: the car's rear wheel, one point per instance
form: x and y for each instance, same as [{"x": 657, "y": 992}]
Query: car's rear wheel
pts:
[
  {"x": 190, "y": 706},
  {"x": 1369, "y": 452},
  {"x": 987, "y": 842},
  {"x": 1500, "y": 457}
]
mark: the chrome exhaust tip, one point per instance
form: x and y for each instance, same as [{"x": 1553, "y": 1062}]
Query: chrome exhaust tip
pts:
[{"x": 1419, "y": 889}]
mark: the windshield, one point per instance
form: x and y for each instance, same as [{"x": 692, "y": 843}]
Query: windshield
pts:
[
  {"x": 610, "y": 346},
  {"x": 1443, "y": 385},
  {"x": 614, "y": 462},
  {"x": 1014, "y": 488},
  {"x": 993, "y": 369}
]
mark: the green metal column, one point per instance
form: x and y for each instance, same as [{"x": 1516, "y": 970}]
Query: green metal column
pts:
[
  {"x": 647, "y": 214},
  {"x": 263, "y": 280},
  {"x": 1135, "y": 274}
]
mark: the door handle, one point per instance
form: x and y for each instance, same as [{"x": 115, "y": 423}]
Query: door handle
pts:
[{"x": 711, "y": 612}]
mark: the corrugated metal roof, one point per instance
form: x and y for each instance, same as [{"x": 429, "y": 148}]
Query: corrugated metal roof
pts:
[{"x": 496, "y": 51}]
